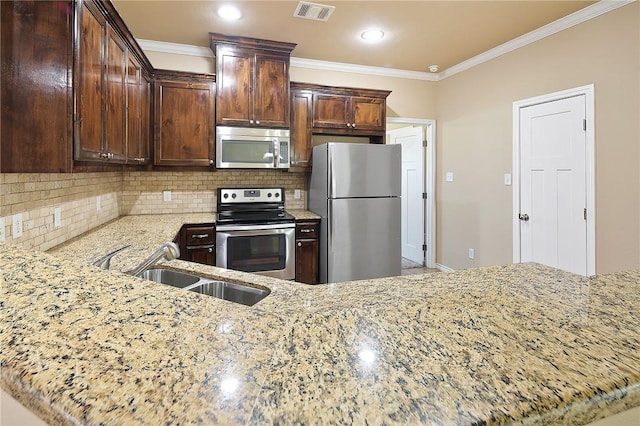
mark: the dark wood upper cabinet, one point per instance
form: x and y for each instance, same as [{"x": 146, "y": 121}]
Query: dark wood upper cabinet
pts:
[
  {"x": 301, "y": 126},
  {"x": 184, "y": 132},
  {"x": 36, "y": 87},
  {"x": 362, "y": 110},
  {"x": 138, "y": 113},
  {"x": 252, "y": 78},
  {"x": 78, "y": 106}
]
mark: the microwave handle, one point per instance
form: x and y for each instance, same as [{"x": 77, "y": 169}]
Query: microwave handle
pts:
[{"x": 276, "y": 152}]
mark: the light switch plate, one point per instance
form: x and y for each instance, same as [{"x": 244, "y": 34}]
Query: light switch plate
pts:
[
  {"x": 472, "y": 253},
  {"x": 2, "y": 230},
  {"x": 448, "y": 177},
  {"x": 16, "y": 226},
  {"x": 98, "y": 202},
  {"x": 166, "y": 195},
  {"x": 57, "y": 217},
  {"x": 507, "y": 179}
]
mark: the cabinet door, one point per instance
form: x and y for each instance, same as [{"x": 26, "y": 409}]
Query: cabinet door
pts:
[
  {"x": 89, "y": 142},
  {"x": 234, "y": 84},
  {"x": 184, "y": 133},
  {"x": 271, "y": 91},
  {"x": 307, "y": 261},
  {"x": 331, "y": 111},
  {"x": 368, "y": 113},
  {"x": 204, "y": 255},
  {"x": 301, "y": 111},
  {"x": 145, "y": 121},
  {"x": 115, "y": 97},
  {"x": 137, "y": 114}
]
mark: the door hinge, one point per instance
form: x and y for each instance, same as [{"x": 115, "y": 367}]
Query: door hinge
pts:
[
  {"x": 424, "y": 143},
  {"x": 584, "y": 213},
  {"x": 424, "y": 247},
  {"x": 424, "y": 195},
  {"x": 584, "y": 124}
]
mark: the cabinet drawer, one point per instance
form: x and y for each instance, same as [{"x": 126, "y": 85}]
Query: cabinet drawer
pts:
[
  {"x": 199, "y": 235},
  {"x": 307, "y": 230}
]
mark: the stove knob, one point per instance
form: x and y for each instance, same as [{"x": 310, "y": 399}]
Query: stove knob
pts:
[
  {"x": 226, "y": 195},
  {"x": 277, "y": 194},
  {"x": 269, "y": 195},
  {"x": 233, "y": 195}
]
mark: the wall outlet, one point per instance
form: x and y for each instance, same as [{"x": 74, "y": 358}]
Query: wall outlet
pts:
[
  {"x": 166, "y": 195},
  {"x": 472, "y": 253},
  {"x": 448, "y": 177},
  {"x": 16, "y": 228},
  {"x": 98, "y": 203},
  {"x": 57, "y": 217},
  {"x": 2, "y": 230},
  {"x": 296, "y": 194},
  {"x": 507, "y": 179}
]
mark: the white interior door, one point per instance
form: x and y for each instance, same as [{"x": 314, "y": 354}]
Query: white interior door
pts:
[
  {"x": 412, "y": 206},
  {"x": 553, "y": 184}
]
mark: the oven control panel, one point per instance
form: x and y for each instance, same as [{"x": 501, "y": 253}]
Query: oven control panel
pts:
[{"x": 251, "y": 195}]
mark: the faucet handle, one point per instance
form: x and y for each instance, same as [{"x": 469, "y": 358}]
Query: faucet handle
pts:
[{"x": 105, "y": 261}]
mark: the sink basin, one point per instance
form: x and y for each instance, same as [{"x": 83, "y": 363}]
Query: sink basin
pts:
[
  {"x": 230, "y": 291},
  {"x": 233, "y": 292},
  {"x": 170, "y": 277}
]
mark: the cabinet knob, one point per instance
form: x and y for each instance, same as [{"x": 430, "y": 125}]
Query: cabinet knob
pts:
[
  {"x": 348, "y": 124},
  {"x": 299, "y": 244},
  {"x": 353, "y": 125},
  {"x": 103, "y": 155},
  {"x": 250, "y": 121},
  {"x": 257, "y": 121},
  {"x": 210, "y": 249},
  {"x": 210, "y": 161}
]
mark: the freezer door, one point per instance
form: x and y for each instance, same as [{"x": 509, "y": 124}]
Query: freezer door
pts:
[
  {"x": 363, "y": 239},
  {"x": 364, "y": 170}
]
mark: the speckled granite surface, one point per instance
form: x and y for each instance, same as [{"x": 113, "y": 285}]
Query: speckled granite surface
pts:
[{"x": 518, "y": 344}]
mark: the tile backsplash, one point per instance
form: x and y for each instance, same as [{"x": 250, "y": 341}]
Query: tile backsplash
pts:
[{"x": 35, "y": 196}]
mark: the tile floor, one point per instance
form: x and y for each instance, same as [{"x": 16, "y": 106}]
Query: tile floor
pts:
[{"x": 412, "y": 268}]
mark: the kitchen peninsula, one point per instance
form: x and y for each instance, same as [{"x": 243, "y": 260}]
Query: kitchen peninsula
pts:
[{"x": 506, "y": 344}]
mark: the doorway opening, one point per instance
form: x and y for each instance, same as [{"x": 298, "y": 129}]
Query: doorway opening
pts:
[{"x": 417, "y": 137}]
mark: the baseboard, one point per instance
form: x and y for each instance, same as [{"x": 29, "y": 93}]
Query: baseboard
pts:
[{"x": 444, "y": 268}]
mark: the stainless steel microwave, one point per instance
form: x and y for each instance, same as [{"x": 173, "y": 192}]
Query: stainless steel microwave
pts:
[{"x": 252, "y": 148}]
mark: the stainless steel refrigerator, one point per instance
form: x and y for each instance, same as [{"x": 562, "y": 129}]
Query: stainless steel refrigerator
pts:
[{"x": 355, "y": 188}]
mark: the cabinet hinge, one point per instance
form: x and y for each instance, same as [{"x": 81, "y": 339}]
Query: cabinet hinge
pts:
[
  {"x": 584, "y": 213},
  {"x": 584, "y": 124},
  {"x": 424, "y": 195},
  {"x": 424, "y": 247}
]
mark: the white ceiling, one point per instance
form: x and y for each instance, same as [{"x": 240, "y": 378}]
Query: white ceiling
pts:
[{"x": 417, "y": 33}]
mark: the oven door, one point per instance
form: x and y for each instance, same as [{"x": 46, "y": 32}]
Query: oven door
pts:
[{"x": 260, "y": 249}]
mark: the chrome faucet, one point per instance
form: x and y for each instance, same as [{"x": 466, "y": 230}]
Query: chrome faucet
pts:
[
  {"x": 105, "y": 261},
  {"x": 167, "y": 251}
]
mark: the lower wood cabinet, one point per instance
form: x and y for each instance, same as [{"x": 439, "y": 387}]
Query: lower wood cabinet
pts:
[
  {"x": 197, "y": 243},
  {"x": 307, "y": 251}
]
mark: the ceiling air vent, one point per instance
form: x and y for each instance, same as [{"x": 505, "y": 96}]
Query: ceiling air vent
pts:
[{"x": 315, "y": 11}]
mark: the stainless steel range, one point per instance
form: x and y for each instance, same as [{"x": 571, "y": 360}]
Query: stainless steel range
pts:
[{"x": 254, "y": 233}]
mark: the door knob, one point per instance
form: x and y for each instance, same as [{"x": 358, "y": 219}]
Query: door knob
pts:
[{"x": 524, "y": 217}]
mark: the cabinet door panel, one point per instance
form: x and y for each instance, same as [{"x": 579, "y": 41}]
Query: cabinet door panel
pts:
[
  {"x": 271, "y": 99},
  {"x": 116, "y": 84},
  {"x": 307, "y": 261},
  {"x": 234, "y": 81},
  {"x": 89, "y": 138},
  {"x": 301, "y": 110},
  {"x": 204, "y": 255},
  {"x": 134, "y": 110},
  {"x": 368, "y": 113},
  {"x": 330, "y": 111},
  {"x": 184, "y": 116}
]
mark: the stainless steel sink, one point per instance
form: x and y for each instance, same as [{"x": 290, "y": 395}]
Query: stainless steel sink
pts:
[
  {"x": 230, "y": 291},
  {"x": 233, "y": 292},
  {"x": 170, "y": 277}
]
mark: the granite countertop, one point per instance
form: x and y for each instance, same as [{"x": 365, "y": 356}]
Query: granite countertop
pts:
[{"x": 521, "y": 343}]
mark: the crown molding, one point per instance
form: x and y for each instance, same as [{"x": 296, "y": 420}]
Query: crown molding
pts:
[
  {"x": 554, "y": 27},
  {"x": 361, "y": 69},
  {"x": 175, "y": 48},
  {"x": 589, "y": 12}
]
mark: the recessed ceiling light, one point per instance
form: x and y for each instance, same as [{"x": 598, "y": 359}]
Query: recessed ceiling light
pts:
[
  {"x": 372, "y": 35},
  {"x": 229, "y": 13},
  {"x": 434, "y": 68}
]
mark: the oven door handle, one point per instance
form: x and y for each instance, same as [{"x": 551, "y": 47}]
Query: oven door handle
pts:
[{"x": 254, "y": 227}]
